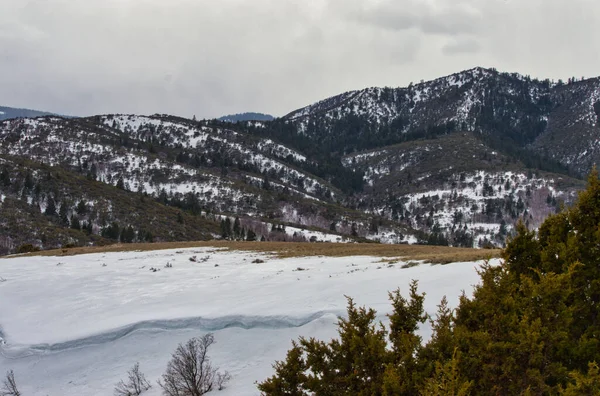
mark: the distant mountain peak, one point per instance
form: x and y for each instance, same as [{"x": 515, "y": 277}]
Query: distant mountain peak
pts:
[{"x": 12, "y": 112}]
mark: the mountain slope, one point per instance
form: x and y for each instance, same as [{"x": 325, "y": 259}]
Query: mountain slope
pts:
[
  {"x": 455, "y": 185},
  {"x": 195, "y": 167},
  {"x": 457, "y": 160},
  {"x": 52, "y": 207},
  {"x": 508, "y": 110}
]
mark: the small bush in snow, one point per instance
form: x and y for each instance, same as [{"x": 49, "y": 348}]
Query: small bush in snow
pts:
[
  {"x": 136, "y": 383},
  {"x": 9, "y": 386},
  {"x": 222, "y": 379}
]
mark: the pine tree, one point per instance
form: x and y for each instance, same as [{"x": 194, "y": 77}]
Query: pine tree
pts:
[
  {"x": 223, "y": 230},
  {"x": 75, "y": 224},
  {"x": 584, "y": 384},
  {"x": 50, "y": 207},
  {"x": 93, "y": 173},
  {"x": 266, "y": 184},
  {"x": 112, "y": 231},
  {"x": 127, "y": 234},
  {"x": 405, "y": 318},
  {"x": 89, "y": 228},
  {"x": 120, "y": 183},
  {"x": 522, "y": 254},
  {"x": 290, "y": 377},
  {"x": 28, "y": 183},
  {"x": 447, "y": 381},
  {"x": 251, "y": 235},
  {"x": 63, "y": 214},
  {"x": 81, "y": 208},
  {"x": 5, "y": 177},
  {"x": 442, "y": 346},
  {"x": 228, "y": 227}
]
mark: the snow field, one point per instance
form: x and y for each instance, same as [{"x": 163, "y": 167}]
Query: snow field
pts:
[{"x": 75, "y": 325}]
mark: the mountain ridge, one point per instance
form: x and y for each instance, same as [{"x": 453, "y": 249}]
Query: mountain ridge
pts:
[
  {"x": 14, "y": 112},
  {"x": 457, "y": 160}
]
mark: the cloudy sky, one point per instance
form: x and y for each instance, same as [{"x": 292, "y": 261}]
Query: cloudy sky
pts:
[{"x": 213, "y": 57}]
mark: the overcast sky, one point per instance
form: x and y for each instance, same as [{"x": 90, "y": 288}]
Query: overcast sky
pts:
[{"x": 214, "y": 57}]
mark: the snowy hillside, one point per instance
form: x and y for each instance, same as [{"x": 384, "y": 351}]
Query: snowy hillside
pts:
[
  {"x": 552, "y": 119},
  {"x": 384, "y": 105},
  {"x": 101, "y": 313},
  {"x": 457, "y": 160},
  {"x": 457, "y": 186}
]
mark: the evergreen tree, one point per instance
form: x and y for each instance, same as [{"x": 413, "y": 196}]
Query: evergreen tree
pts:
[
  {"x": 89, "y": 228},
  {"x": 251, "y": 235},
  {"x": 226, "y": 231},
  {"x": 290, "y": 377},
  {"x": 28, "y": 183},
  {"x": 92, "y": 174},
  {"x": 120, "y": 183},
  {"x": 127, "y": 234},
  {"x": 112, "y": 231},
  {"x": 81, "y": 208},
  {"x": 63, "y": 214},
  {"x": 5, "y": 177},
  {"x": 50, "y": 207},
  {"x": 446, "y": 380},
  {"x": 584, "y": 384},
  {"x": 75, "y": 224},
  {"x": 266, "y": 184}
]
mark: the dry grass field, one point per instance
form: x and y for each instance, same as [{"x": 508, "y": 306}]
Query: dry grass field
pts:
[{"x": 430, "y": 254}]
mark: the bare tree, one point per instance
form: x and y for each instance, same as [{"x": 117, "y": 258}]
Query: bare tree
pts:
[
  {"x": 135, "y": 385},
  {"x": 9, "y": 386},
  {"x": 222, "y": 379},
  {"x": 190, "y": 372}
]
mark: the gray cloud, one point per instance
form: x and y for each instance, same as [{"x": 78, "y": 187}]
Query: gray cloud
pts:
[
  {"x": 461, "y": 46},
  {"x": 441, "y": 18},
  {"x": 208, "y": 58}
]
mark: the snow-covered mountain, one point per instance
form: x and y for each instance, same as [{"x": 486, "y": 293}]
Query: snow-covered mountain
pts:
[
  {"x": 193, "y": 167},
  {"x": 455, "y": 160},
  {"x": 555, "y": 120}
]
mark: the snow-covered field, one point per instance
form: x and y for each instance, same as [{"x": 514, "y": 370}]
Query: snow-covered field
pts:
[{"x": 75, "y": 325}]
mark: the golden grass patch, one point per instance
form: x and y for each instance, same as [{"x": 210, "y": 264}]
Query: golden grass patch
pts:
[{"x": 430, "y": 254}]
